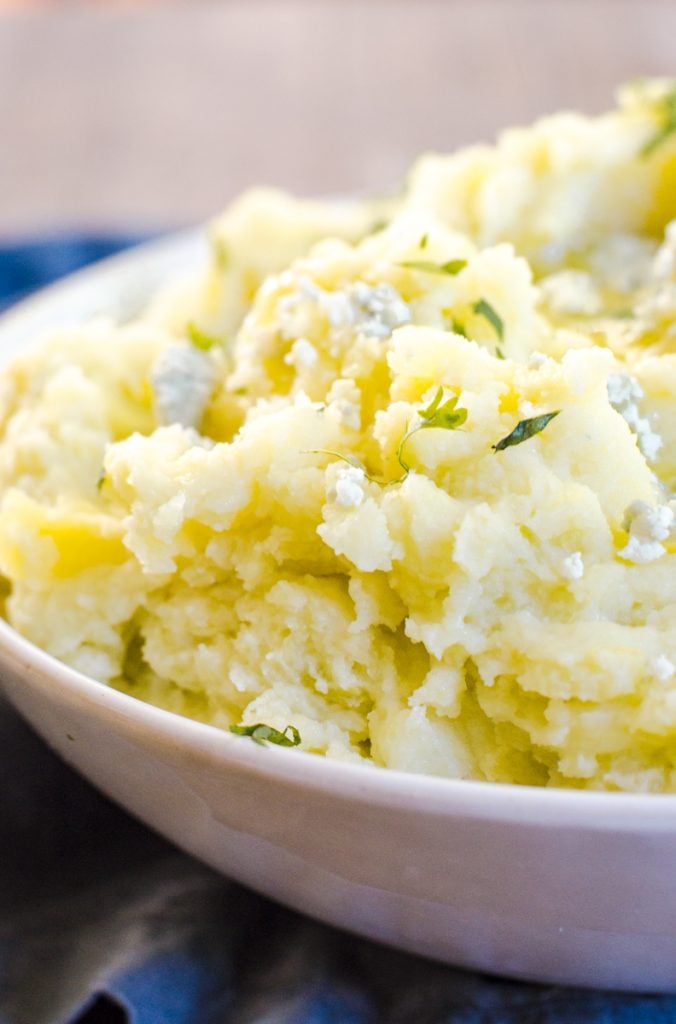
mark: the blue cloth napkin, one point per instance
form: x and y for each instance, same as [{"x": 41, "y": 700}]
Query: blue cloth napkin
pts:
[{"x": 102, "y": 922}]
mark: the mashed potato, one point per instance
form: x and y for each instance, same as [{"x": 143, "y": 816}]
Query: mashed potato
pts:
[{"x": 406, "y": 486}]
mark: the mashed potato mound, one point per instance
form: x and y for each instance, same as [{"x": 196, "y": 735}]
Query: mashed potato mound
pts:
[{"x": 398, "y": 474}]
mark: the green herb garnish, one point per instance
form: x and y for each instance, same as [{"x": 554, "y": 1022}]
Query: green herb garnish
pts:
[
  {"x": 525, "y": 429},
  {"x": 422, "y": 244},
  {"x": 438, "y": 414},
  {"x": 483, "y": 308},
  {"x": 199, "y": 338},
  {"x": 458, "y": 328},
  {"x": 221, "y": 253},
  {"x": 667, "y": 128},
  {"x": 451, "y": 267},
  {"x": 101, "y": 480},
  {"x": 444, "y": 416},
  {"x": 351, "y": 460},
  {"x": 499, "y": 354},
  {"x": 259, "y": 733}
]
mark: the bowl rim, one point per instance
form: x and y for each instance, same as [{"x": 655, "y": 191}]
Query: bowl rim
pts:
[{"x": 596, "y": 810}]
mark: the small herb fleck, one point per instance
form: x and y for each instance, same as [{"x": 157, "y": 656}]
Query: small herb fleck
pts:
[
  {"x": 221, "y": 253},
  {"x": 422, "y": 244},
  {"x": 351, "y": 460},
  {"x": 378, "y": 225},
  {"x": 525, "y": 429},
  {"x": 260, "y": 732},
  {"x": 667, "y": 128},
  {"x": 241, "y": 391},
  {"x": 484, "y": 309},
  {"x": 101, "y": 480},
  {"x": 499, "y": 354},
  {"x": 458, "y": 328},
  {"x": 451, "y": 267},
  {"x": 445, "y": 416},
  {"x": 199, "y": 338},
  {"x": 438, "y": 414}
]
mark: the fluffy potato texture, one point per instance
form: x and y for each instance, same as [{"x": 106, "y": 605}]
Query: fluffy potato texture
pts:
[{"x": 422, "y": 506}]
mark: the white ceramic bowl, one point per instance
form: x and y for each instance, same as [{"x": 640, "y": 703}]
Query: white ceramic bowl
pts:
[{"x": 556, "y": 886}]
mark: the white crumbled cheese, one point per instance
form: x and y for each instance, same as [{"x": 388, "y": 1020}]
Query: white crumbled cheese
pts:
[
  {"x": 373, "y": 310},
  {"x": 647, "y": 525},
  {"x": 572, "y": 566},
  {"x": 623, "y": 389},
  {"x": 295, "y": 315},
  {"x": 343, "y": 402},
  {"x": 624, "y": 392},
  {"x": 297, "y": 310},
  {"x": 183, "y": 379},
  {"x": 348, "y": 489},
  {"x": 571, "y": 291},
  {"x": 348, "y": 413},
  {"x": 379, "y": 310},
  {"x": 302, "y": 355},
  {"x": 309, "y": 290},
  {"x": 649, "y": 441},
  {"x": 662, "y": 668},
  {"x": 338, "y": 309}
]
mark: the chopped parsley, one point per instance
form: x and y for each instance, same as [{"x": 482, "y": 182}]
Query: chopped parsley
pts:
[
  {"x": 261, "y": 733},
  {"x": 667, "y": 128},
  {"x": 438, "y": 414},
  {"x": 101, "y": 480},
  {"x": 525, "y": 429},
  {"x": 451, "y": 267},
  {"x": 422, "y": 244},
  {"x": 221, "y": 253},
  {"x": 199, "y": 338},
  {"x": 458, "y": 328},
  {"x": 484, "y": 309},
  {"x": 351, "y": 460},
  {"x": 378, "y": 226},
  {"x": 445, "y": 416}
]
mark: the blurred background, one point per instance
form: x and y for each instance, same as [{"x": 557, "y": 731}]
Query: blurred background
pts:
[{"x": 122, "y": 116}]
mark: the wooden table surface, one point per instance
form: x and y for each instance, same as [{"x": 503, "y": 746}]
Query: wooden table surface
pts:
[{"x": 156, "y": 116}]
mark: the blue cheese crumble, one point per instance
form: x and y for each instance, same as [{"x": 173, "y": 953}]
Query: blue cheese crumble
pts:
[
  {"x": 183, "y": 379},
  {"x": 348, "y": 486},
  {"x": 624, "y": 394},
  {"x": 647, "y": 526}
]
